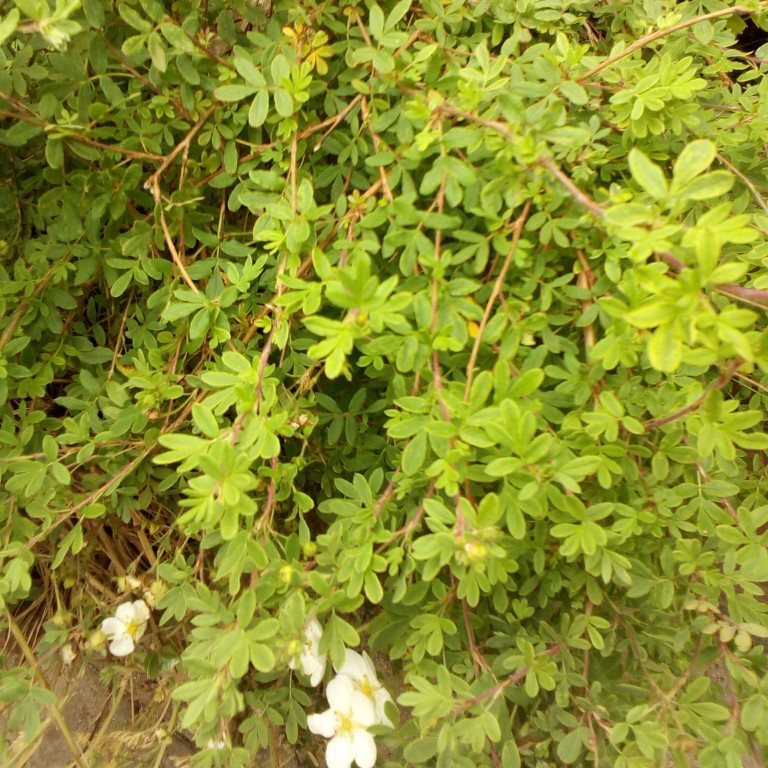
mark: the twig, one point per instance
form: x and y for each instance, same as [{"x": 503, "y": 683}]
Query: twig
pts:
[
  {"x": 119, "y": 340},
  {"x": 721, "y": 381},
  {"x": 545, "y": 162},
  {"x": 747, "y": 183},
  {"x": 582, "y": 198},
  {"x": 376, "y": 143},
  {"x": 22, "y": 308},
  {"x": 172, "y": 248},
  {"x": 754, "y": 296},
  {"x": 412, "y": 523},
  {"x": 493, "y": 692},
  {"x": 659, "y": 33},
  {"x": 94, "y": 496},
  {"x": 152, "y": 182},
  {"x": 518, "y": 228},
  {"x": 330, "y": 123}
]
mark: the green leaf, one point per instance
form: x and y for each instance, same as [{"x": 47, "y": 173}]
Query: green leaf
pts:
[
  {"x": 415, "y": 453},
  {"x": 259, "y": 110},
  {"x": 376, "y": 21},
  {"x": 249, "y": 72},
  {"x": 261, "y": 657},
  {"x": 234, "y": 92},
  {"x": 711, "y": 185},
  {"x": 510, "y": 755},
  {"x": 177, "y": 38},
  {"x": 133, "y": 18},
  {"x": 693, "y": 160},
  {"x": 157, "y": 51},
  {"x": 283, "y": 102},
  {"x": 647, "y": 174},
  {"x": 205, "y": 420},
  {"x": 569, "y": 749},
  {"x": 574, "y": 92},
  {"x": 8, "y": 24},
  {"x": 754, "y": 712},
  {"x": 422, "y": 749},
  {"x": 54, "y": 152},
  {"x": 665, "y": 349}
]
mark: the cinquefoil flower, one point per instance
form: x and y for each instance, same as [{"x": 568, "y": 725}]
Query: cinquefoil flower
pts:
[
  {"x": 126, "y": 627},
  {"x": 346, "y": 725},
  {"x": 360, "y": 670},
  {"x": 311, "y": 662}
]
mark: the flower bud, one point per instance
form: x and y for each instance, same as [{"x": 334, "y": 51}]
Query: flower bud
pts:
[
  {"x": 475, "y": 551},
  {"x": 309, "y": 550}
]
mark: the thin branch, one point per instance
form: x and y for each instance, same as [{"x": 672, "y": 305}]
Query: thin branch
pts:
[
  {"x": 377, "y": 141},
  {"x": 177, "y": 260},
  {"x": 493, "y": 692},
  {"x": 153, "y": 182},
  {"x": 518, "y": 228},
  {"x": 747, "y": 183},
  {"x": 659, "y": 33},
  {"x": 754, "y": 296},
  {"x": 330, "y": 123},
  {"x": 89, "y": 499},
  {"x": 582, "y": 198},
  {"x": 724, "y": 377}
]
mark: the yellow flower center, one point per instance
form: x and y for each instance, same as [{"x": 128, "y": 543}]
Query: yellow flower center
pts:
[
  {"x": 367, "y": 687},
  {"x": 345, "y": 724},
  {"x": 133, "y": 627}
]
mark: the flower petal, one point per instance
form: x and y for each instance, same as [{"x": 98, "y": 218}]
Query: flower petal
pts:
[
  {"x": 365, "y": 748},
  {"x": 139, "y": 630},
  {"x": 124, "y": 612},
  {"x": 140, "y": 612},
  {"x": 340, "y": 752},
  {"x": 362, "y": 709},
  {"x": 339, "y": 693},
  {"x": 122, "y": 645},
  {"x": 380, "y": 698},
  {"x": 112, "y": 626},
  {"x": 323, "y": 724},
  {"x": 315, "y": 668},
  {"x": 354, "y": 666},
  {"x": 314, "y": 632}
]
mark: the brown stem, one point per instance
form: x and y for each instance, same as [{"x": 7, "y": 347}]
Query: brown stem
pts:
[
  {"x": 493, "y": 692},
  {"x": 659, "y": 33},
  {"x": 722, "y": 380},
  {"x": 518, "y": 228}
]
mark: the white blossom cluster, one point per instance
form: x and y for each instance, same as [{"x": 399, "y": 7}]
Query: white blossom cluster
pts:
[
  {"x": 356, "y": 698},
  {"x": 356, "y": 701}
]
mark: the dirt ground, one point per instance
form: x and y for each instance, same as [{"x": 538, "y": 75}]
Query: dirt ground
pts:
[
  {"x": 128, "y": 726},
  {"x": 125, "y": 730}
]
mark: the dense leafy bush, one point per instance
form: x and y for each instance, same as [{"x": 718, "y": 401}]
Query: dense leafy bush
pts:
[{"x": 439, "y": 322}]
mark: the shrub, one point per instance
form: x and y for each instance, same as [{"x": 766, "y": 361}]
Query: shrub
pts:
[{"x": 438, "y": 323}]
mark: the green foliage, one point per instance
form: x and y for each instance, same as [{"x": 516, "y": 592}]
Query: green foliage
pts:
[{"x": 442, "y": 322}]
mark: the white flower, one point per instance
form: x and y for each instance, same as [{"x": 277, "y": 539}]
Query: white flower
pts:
[
  {"x": 216, "y": 744},
  {"x": 360, "y": 670},
  {"x": 67, "y": 655},
  {"x": 311, "y": 662},
  {"x": 346, "y": 725},
  {"x": 126, "y": 628}
]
